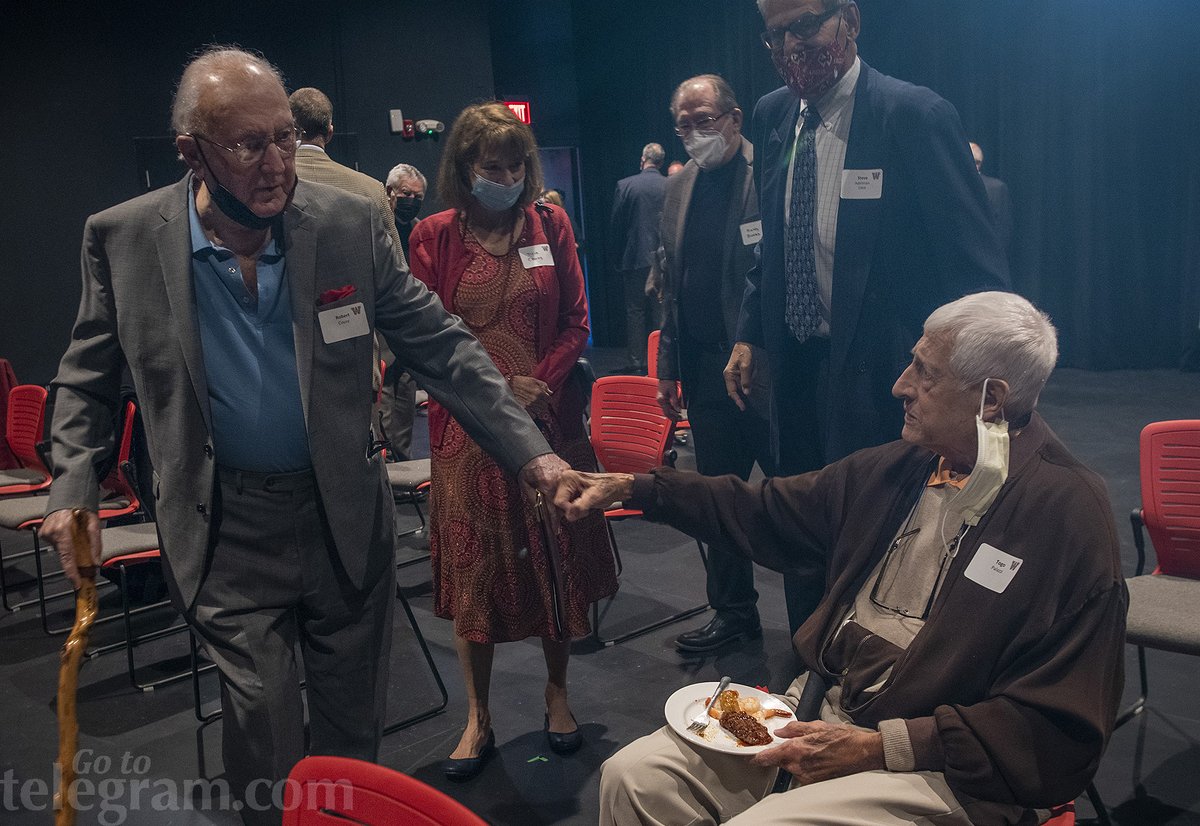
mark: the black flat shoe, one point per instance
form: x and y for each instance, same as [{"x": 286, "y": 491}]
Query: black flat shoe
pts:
[
  {"x": 464, "y": 768},
  {"x": 567, "y": 743},
  {"x": 719, "y": 631}
]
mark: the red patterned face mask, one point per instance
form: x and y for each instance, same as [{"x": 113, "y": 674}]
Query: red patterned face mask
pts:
[{"x": 811, "y": 71}]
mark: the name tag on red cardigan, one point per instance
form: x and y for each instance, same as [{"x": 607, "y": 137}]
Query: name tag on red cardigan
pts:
[
  {"x": 992, "y": 568},
  {"x": 537, "y": 255}
]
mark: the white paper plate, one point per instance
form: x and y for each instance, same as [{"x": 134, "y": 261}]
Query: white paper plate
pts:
[{"x": 687, "y": 702}]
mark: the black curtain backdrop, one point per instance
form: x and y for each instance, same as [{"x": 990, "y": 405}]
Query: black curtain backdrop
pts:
[{"x": 1089, "y": 110}]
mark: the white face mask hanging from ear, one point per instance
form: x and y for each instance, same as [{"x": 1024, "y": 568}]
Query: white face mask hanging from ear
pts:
[{"x": 991, "y": 466}]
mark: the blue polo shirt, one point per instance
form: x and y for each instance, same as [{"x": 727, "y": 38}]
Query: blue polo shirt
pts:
[{"x": 249, "y": 357}]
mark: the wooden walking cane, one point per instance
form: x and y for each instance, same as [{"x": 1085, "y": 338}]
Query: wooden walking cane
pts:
[{"x": 68, "y": 672}]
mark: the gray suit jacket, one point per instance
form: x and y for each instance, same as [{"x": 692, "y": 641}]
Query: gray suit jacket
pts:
[
  {"x": 313, "y": 164},
  {"x": 138, "y": 308},
  {"x": 736, "y": 261}
]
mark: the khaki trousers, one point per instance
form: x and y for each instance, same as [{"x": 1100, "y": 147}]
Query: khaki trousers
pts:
[{"x": 661, "y": 779}]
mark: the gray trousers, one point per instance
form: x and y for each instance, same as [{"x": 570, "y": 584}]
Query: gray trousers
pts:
[{"x": 275, "y": 580}]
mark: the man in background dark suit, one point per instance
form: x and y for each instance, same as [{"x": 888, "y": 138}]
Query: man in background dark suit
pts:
[
  {"x": 998, "y": 200},
  {"x": 891, "y": 221},
  {"x": 637, "y": 208}
]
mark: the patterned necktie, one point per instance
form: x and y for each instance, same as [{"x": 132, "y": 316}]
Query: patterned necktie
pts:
[{"x": 802, "y": 311}]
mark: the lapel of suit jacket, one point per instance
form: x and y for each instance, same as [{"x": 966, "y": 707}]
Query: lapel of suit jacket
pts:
[
  {"x": 773, "y": 174},
  {"x": 687, "y": 183},
  {"x": 741, "y": 206},
  {"x": 300, "y": 255},
  {"x": 173, "y": 240},
  {"x": 858, "y": 220}
]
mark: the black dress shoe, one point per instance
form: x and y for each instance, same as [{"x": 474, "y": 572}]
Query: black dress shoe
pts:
[
  {"x": 567, "y": 743},
  {"x": 719, "y": 631},
  {"x": 464, "y": 768}
]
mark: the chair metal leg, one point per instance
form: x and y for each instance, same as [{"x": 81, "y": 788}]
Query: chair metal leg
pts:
[
  {"x": 4, "y": 580},
  {"x": 653, "y": 626},
  {"x": 414, "y": 561},
  {"x": 437, "y": 675},
  {"x": 413, "y": 499},
  {"x": 131, "y": 641},
  {"x": 1137, "y": 706},
  {"x": 1098, "y": 804}
]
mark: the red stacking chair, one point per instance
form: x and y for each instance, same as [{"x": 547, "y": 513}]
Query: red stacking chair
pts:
[
  {"x": 335, "y": 791},
  {"x": 630, "y": 434},
  {"x": 22, "y": 488},
  {"x": 22, "y": 431},
  {"x": 1164, "y": 606}
]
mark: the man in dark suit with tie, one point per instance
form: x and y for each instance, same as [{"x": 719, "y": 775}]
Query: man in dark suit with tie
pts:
[
  {"x": 873, "y": 215},
  {"x": 637, "y": 208},
  {"x": 243, "y": 303}
]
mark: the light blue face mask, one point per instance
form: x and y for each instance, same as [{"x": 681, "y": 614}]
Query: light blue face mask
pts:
[{"x": 496, "y": 197}]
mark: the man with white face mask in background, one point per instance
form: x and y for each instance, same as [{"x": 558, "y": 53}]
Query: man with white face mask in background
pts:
[
  {"x": 966, "y": 659},
  {"x": 709, "y": 228}
]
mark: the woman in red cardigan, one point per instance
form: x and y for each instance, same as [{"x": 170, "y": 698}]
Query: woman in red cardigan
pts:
[{"x": 506, "y": 264}]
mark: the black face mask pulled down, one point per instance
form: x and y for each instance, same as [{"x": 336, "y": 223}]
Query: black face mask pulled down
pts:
[
  {"x": 231, "y": 206},
  {"x": 406, "y": 209}
]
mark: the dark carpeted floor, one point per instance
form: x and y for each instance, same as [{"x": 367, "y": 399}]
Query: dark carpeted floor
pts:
[{"x": 150, "y": 750}]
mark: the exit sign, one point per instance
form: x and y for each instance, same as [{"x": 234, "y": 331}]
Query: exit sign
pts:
[{"x": 520, "y": 108}]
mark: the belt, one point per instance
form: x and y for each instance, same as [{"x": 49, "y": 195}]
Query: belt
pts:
[{"x": 270, "y": 482}]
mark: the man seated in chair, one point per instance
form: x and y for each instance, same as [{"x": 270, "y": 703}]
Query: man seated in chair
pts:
[{"x": 969, "y": 641}]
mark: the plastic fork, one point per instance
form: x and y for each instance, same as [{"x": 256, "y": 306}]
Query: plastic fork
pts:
[{"x": 701, "y": 720}]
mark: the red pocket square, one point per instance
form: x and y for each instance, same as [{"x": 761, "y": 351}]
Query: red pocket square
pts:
[{"x": 337, "y": 294}]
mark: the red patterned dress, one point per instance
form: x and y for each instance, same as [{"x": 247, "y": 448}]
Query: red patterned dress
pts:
[{"x": 490, "y": 570}]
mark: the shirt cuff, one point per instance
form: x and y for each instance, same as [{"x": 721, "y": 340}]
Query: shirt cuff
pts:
[
  {"x": 897, "y": 747},
  {"x": 926, "y": 745},
  {"x": 643, "y": 491}
]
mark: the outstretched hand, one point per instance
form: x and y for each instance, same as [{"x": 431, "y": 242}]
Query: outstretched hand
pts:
[
  {"x": 579, "y": 493},
  {"x": 817, "y": 751}
]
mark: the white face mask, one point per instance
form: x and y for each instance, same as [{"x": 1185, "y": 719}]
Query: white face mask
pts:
[
  {"x": 991, "y": 467},
  {"x": 706, "y": 148}
]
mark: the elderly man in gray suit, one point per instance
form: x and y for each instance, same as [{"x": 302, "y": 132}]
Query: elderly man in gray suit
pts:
[{"x": 244, "y": 304}]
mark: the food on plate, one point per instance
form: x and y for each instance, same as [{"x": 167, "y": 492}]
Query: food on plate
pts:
[
  {"x": 745, "y": 728},
  {"x": 727, "y": 701},
  {"x": 770, "y": 712}
]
